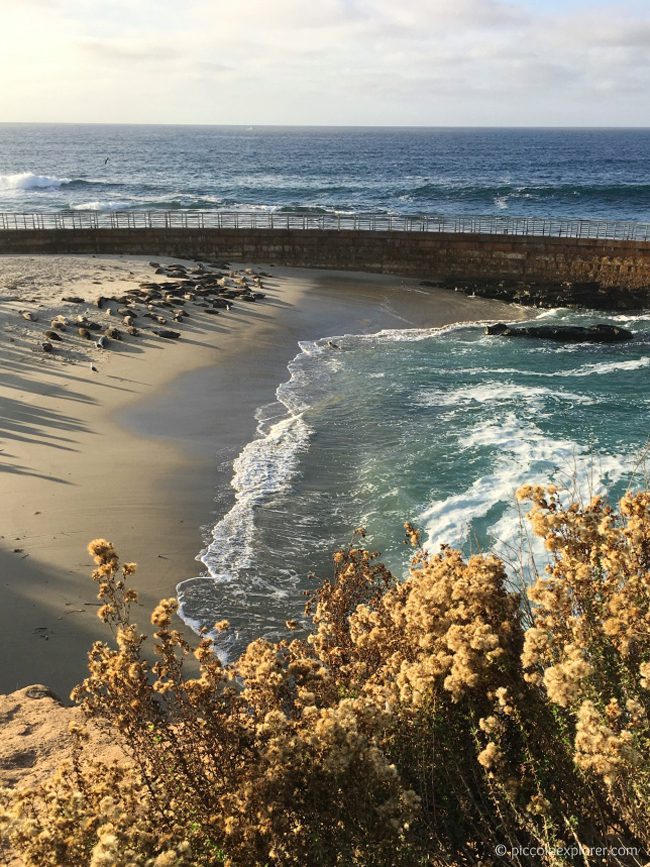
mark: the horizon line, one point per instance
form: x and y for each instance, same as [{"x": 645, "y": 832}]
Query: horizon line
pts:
[{"x": 252, "y": 126}]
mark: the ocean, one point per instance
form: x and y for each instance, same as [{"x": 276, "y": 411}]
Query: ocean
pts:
[
  {"x": 545, "y": 172},
  {"x": 438, "y": 427}
]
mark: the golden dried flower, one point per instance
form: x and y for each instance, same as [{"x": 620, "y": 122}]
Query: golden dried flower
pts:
[
  {"x": 162, "y": 614},
  {"x": 490, "y": 757}
]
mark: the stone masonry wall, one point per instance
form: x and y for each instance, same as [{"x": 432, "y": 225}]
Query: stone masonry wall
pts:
[{"x": 533, "y": 269}]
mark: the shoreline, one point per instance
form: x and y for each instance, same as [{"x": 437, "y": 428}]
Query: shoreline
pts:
[{"x": 139, "y": 452}]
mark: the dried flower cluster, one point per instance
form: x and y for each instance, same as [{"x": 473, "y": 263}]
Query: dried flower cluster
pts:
[{"x": 424, "y": 721}]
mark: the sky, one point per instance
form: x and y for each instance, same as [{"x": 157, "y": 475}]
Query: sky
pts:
[{"x": 326, "y": 62}]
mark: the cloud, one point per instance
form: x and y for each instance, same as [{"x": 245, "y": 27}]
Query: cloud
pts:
[
  {"x": 346, "y": 61},
  {"x": 131, "y": 52}
]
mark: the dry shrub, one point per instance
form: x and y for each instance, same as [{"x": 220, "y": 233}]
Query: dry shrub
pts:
[{"x": 424, "y": 721}]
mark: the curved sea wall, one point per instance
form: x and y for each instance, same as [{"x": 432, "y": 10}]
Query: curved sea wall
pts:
[{"x": 529, "y": 269}]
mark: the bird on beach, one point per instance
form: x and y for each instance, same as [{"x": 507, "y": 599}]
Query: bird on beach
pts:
[
  {"x": 106, "y": 160},
  {"x": 93, "y": 368}
]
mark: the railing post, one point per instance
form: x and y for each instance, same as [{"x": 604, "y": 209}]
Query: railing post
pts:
[{"x": 629, "y": 230}]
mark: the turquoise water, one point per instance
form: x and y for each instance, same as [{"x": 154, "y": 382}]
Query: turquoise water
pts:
[{"x": 436, "y": 427}]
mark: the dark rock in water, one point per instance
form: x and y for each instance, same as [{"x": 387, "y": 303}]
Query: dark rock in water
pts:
[
  {"x": 221, "y": 304},
  {"x": 498, "y": 329},
  {"x": 155, "y": 264},
  {"x": 74, "y": 299},
  {"x": 598, "y": 333},
  {"x": 167, "y": 333}
]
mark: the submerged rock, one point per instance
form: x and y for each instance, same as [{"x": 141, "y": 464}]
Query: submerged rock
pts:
[{"x": 598, "y": 333}]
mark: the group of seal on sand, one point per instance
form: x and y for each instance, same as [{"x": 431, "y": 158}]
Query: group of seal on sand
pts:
[{"x": 211, "y": 287}]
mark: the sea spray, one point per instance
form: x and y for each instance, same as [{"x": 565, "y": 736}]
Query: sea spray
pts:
[{"x": 30, "y": 181}]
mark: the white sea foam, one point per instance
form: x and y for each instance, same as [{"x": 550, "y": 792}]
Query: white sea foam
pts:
[
  {"x": 264, "y": 469},
  {"x": 497, "y": 392},
  {"x": 267, "y": 466},
  {"x": 30, "y": 181},
  {"x": 597, "y": 368},
  {"x": 522, "y": 455},
  {"x": 513, "y": 539},
  {"x": 101, "y": 206},
  {"x": 553, "y": 313},
  {"x": 388, "y": 335},
  {"x": 247, "y": 207},
  {"x": 602, "y": 367},
  {"x": 576, "y": 316},
  {"x": 630, "y": 317}
]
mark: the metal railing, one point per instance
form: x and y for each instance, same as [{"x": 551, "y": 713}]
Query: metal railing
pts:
[{"x": 490, "y": 225}]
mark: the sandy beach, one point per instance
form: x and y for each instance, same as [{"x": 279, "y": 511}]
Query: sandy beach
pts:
[{"x": 138, "y": 450}]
